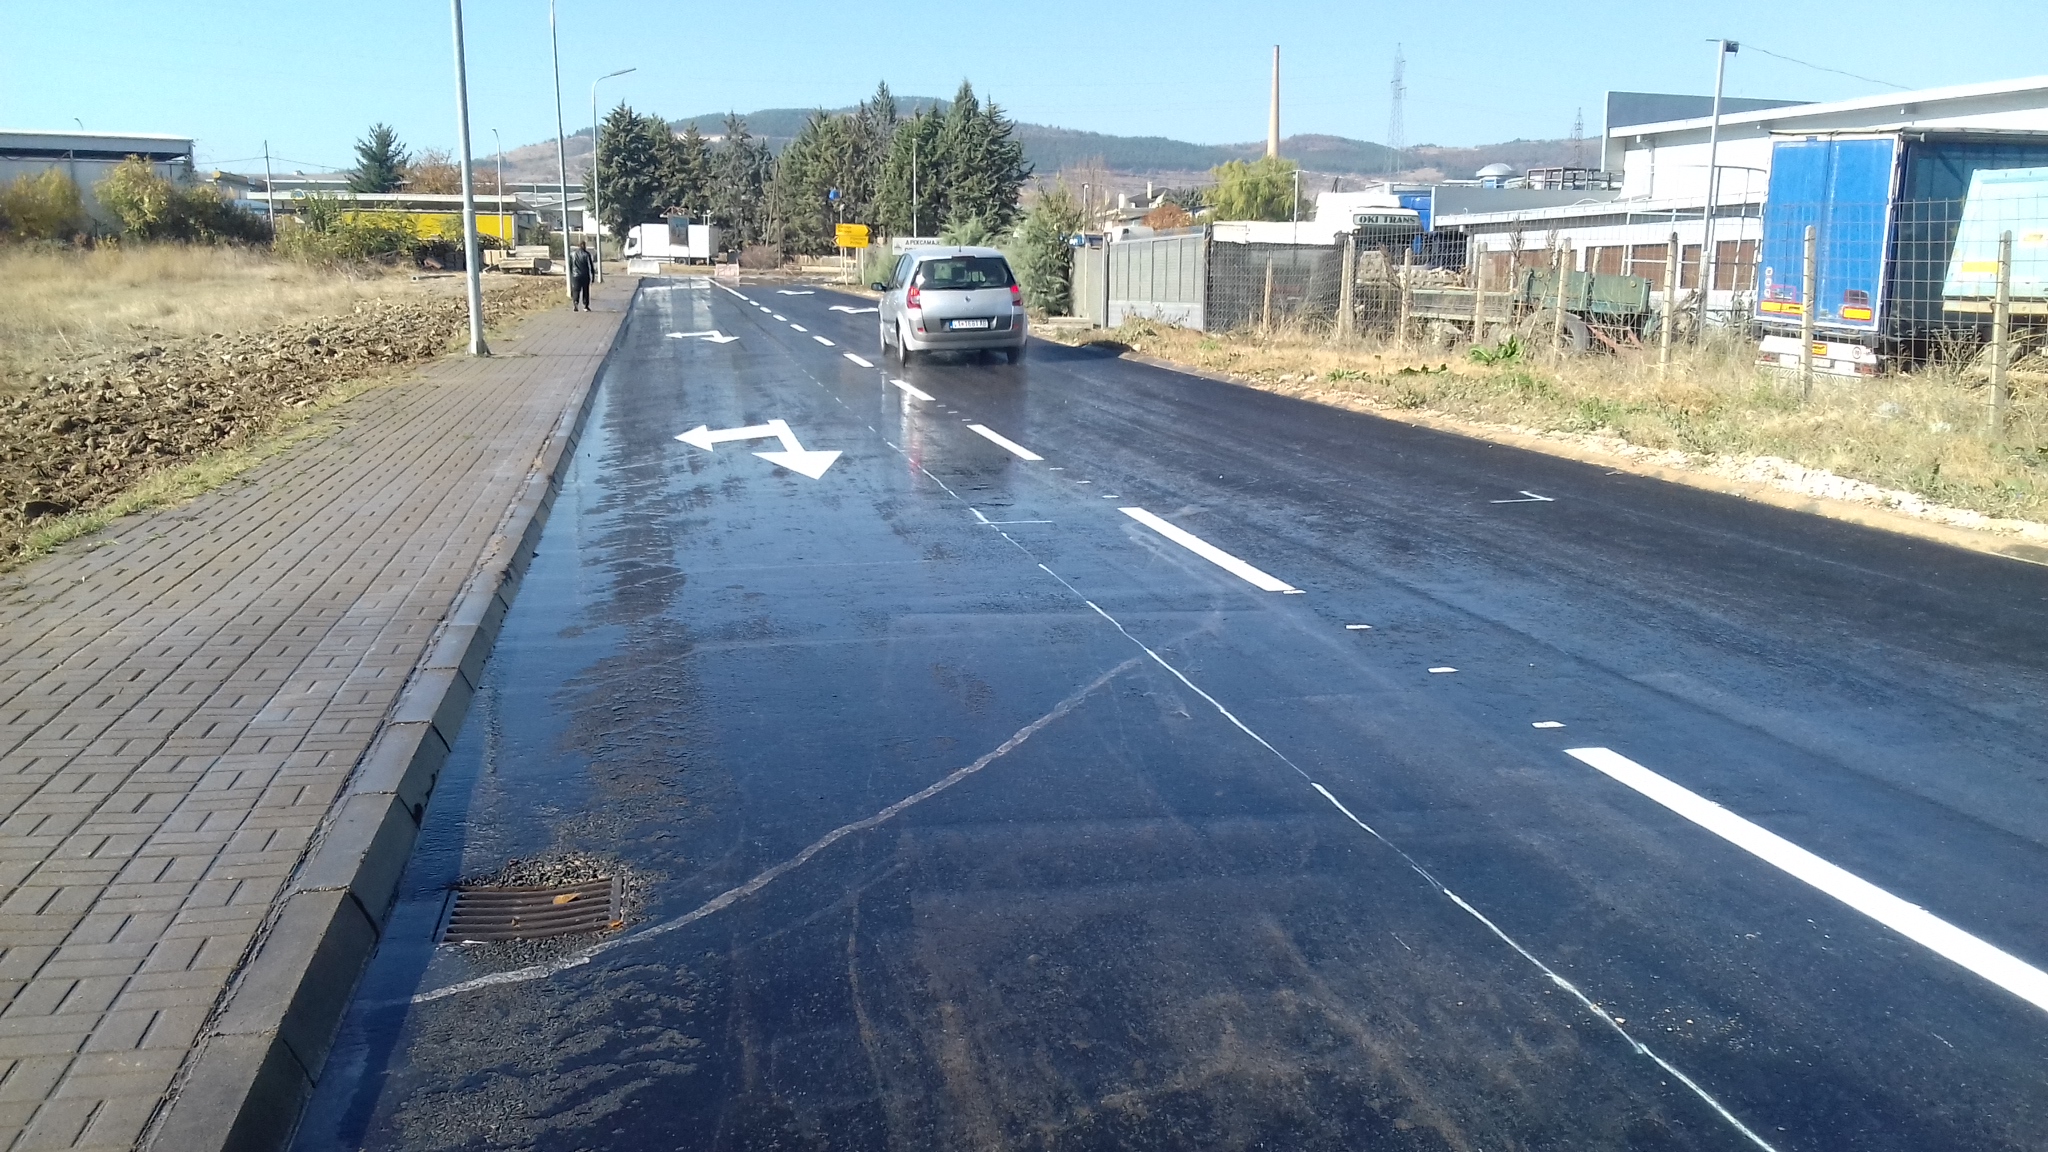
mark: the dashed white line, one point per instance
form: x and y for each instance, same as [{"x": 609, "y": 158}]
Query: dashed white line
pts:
[
  {"x": 1358, "y": 627},
  {"x": 1442, "y": 670},
  {"x": 1909, "y": 920},
  {"x": 912, "y": 389},
  {"x": 1547, "y": 724},
  {"x": 1210, "y": 552},
  {"x": 799, "y": 327},
  {"x": 825, "y": 342},
  {"x": 1003, "y": 442},
  {"x": 780, "y": 316},
  {"x": 857, "y": 360}
]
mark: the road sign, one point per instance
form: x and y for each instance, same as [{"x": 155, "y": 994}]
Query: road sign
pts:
[{"x": 852, "y": 235}]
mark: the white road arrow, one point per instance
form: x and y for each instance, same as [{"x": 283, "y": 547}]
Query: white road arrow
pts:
[
  {"x": 713, "y": 337},
  {"x": 794, "y": 456},
  {"x": 788, "y": 292},
  {"x": 851, "y": 311},
  {"x": 1528, "y": 497}
]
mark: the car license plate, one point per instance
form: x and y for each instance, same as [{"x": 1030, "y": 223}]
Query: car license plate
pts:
[{"x": 959, "y": 325}]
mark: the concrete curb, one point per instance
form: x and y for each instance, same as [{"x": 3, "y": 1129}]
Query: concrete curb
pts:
[
  {"x": 1848, "y": 512},
  {"x": 246, "y": 1087}
]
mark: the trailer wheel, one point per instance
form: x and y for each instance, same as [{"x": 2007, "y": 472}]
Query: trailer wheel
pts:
[{"x": 1578, "y": 335}]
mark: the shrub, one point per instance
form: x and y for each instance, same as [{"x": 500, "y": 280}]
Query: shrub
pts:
[
  {"x": 44, "y": 206},
  {"x": 1260, "y": 190},
  {"x": 151, "y": 207},
  {"x": 330, "y": 230},
  {"x": 1044, "y": 258}
]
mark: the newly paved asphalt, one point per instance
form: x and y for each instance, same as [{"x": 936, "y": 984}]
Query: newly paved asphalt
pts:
[{"x": 965, "y": 809}]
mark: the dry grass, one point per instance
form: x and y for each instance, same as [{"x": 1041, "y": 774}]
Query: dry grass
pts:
[
  {"x": 59, "y": 305},
  {"x": 1922, "y": 432}
]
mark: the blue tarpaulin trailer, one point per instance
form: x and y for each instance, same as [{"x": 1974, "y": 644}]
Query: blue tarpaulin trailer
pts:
[{"x": 1886, "y": 208}]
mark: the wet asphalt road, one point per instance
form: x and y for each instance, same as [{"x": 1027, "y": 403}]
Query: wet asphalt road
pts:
[{"x": 964, "y": 810}]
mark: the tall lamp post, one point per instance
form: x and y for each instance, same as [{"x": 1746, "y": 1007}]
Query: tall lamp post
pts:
[
  {"x": 595, "y": 194},
  {"x": 472, "y": 257},
  {"x": 500, "y": 187},
  {"x": 1723, "y": 50},
  {"x": 561, "y": 150}
]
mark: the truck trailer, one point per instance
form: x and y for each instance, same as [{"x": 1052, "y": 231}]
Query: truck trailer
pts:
[
  {"x": 674, "y": 240},
  {"x": 1901, "y": 221}
]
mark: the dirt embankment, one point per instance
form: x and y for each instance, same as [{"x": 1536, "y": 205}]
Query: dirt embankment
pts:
[{"x": 75, "y": 439}]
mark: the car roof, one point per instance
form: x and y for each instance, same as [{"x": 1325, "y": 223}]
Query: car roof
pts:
[{"x": 924, "y": 254}]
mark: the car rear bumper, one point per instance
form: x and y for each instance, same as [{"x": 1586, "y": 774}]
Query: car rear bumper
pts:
[{"x": 1013, "y": 333}]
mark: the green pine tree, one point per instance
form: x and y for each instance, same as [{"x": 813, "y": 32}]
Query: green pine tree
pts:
[
  {"x": 739, "y": 169},
  {"x": 380, "y": 161},
  {"x": 632, "y": 155},
  {"x": 1043, "y": 254}
]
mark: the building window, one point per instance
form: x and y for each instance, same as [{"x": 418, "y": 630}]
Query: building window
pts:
[
  {"x": 1734, "y": 265},
  {"x": 1647, "y": 261}
]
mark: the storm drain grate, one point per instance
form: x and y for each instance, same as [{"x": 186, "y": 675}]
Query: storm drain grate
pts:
[{"x": 483, "y": 912}]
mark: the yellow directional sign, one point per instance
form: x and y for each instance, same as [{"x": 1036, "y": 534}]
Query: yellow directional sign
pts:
[{"x": 852, "y": 235}]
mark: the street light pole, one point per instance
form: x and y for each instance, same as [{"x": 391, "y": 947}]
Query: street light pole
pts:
[
  {"x": 596, "y": 194},
  {"x": 472, "y": 258},
  {"x": 1723, "y": 50},
  {"x": 561, "y": 152},
  {"x": 500, "y": 186}
]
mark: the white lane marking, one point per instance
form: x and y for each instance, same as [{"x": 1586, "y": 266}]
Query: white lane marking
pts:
[
  {"x": 780, "y": 316},
  {"x": 857, "y": 360},
  {"x": 734, "y": 895},
  {"x": 714, "y": 336},
  {"x": 1415, "y": 865},
  {"x": 1209, "y": 552},
  {"x": 1003, "y": 442},
  {"x": 912, "y": 389},
  {"x": 999, "y": 523},
  {"x": 852, "y": 311},
  {"x": 1907, "y": 919},
  {"x": 799, "y": 327},
  {"x": 825, "y": 342},
  {"x": 1547, "y": 724},
  {"x": 794, "y": 456},
  {"x": 1358, "y": 627},
  {"x": 1528, "y": 498},
  {"x": 788, "y": 292},
  {"x": 1445, "y": 668}
]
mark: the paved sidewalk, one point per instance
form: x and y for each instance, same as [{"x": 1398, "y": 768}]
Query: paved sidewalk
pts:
[{"x": 183, "y": 698}]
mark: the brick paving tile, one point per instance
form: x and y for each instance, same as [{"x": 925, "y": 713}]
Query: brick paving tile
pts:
[{"x": 182, "y": 700}]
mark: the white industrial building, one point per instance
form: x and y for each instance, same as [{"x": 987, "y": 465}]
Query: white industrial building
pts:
[
  {"x": 1664, "y": 163},
  {"x": 87, "y": 157}
]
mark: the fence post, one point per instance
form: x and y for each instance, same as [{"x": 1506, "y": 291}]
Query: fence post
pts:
[
  {"x": 1809, "y": 288},
  {"x": 1347, "y": 290},
  {"x": 1266, "y": 301},
  {"x": 1670, "y": 305},
  {"x": 2001, "y": 335},
  {"x": 1407, "y": 296},
  {"x": 1478, "y": 294},
  {"x": 1557, "y": 320}
]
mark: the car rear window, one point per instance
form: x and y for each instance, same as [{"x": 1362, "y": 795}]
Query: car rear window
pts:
[{"x": 964, "y": 272}]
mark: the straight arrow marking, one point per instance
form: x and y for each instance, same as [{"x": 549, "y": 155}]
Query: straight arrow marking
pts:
[{"x": 852, "y": 311}]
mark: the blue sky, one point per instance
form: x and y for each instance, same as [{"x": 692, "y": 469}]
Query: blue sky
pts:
[{"x": 309, "y": 77}]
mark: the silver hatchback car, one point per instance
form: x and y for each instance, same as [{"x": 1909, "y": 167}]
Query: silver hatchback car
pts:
[{"x": 952, "y": 299}]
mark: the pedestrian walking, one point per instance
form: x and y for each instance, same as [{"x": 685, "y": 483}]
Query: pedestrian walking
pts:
[{"x": 581, "y": 268}]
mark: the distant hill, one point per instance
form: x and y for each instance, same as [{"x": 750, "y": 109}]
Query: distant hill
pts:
[{"x": 1052, "y": 149}]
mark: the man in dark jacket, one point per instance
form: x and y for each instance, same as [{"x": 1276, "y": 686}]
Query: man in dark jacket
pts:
[{"x": 581, "y": 268}]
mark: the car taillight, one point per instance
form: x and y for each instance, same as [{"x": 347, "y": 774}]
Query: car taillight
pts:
[
  {"x": 1016, "y": 296},
  {"x": 911, "y": 296}
]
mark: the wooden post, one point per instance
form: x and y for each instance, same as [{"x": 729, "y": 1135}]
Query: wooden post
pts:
[
  {"x": 1670, "y": 305},
  {"x": 1557, "y": 264},
  {"x": 2001, "y": 336},
  {"x": 1477, "y": 260},
  {"x": 1348, "y": 288},
  {"x": 1407, "y": 296},
  {"x": 1810, "y": 287},
  {"x": 1266, "y": 306}
]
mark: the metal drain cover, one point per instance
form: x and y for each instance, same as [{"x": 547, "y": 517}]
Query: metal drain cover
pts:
[{"x": 480, "y": 913}]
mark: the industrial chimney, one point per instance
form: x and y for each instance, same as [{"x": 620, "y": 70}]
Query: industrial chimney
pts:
[{"x": 1273, "y": 112}]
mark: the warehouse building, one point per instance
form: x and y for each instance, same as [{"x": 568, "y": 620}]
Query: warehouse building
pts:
[{"x": 87, "y": 157}]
